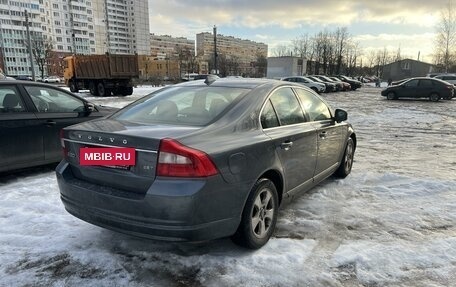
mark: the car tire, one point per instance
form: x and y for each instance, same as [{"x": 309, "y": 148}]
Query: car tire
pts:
[
  {"x": 259, "y": 216},
  {"x": 391, "y": 96},
  {"x": 434, "y": 97},
  {"x": 93, "y": 88},
  {"x": 346, "y": 164},
  {"x": 126, "y": 91},
  {"x": 73, "y": 87},
  {"x": 101, "y": 89}
]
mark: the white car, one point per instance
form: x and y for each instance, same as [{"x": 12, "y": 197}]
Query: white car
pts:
[
  {"x": 51, "y": 79},
  {"x": 317, "y": 87},
  {"x": 450, "y": 78}
]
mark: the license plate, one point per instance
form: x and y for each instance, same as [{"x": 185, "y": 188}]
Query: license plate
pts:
[{"x": 107, "y": 156}]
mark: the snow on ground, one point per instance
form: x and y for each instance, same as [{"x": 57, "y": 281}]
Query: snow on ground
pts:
[{"x": 392, "y": 222}]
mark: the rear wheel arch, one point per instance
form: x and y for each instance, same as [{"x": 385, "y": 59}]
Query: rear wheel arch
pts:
[
  {"x": 277, "y": 180},
  {"x": 353, "y": 137}
]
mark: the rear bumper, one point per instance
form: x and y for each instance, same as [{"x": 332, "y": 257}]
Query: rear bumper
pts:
[{"x": 185, "y": 210}]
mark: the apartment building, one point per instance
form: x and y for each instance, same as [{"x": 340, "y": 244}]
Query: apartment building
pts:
[
  {"x": 72, "y": 26},
  {"x": 121, "y": 26},
  {"x": 242, "y": 54},
  {"x": 14, "y": 57},
  {"x": 166, "y": 47}
]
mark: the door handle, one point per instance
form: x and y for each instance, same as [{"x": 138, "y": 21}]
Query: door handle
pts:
[
  {"x": 50, "y": 123},
  {"x": 286, "y": 145}
]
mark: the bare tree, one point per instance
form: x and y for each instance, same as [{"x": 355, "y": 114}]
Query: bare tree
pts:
[
  {"x": 342, "y": 38},
  {"x": 301, "y": 46},
  {"x": 261, "y": 66},
  {"x": 41, "y": 51},
  {"x": 446, "y": 36},
  {"x": 281, "y": 50}
]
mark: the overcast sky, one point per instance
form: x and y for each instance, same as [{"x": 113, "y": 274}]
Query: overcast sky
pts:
[{"x": 408, "y": 24}]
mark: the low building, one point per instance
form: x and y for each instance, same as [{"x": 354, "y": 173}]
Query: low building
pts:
[
  {"x": 234, "y": 56},
  {"x": 286, "y": 66},
  {"x": 157, "y": 70},
  {"x": 406, "y": 68}
]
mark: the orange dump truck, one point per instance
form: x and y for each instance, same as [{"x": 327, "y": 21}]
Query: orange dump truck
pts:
[{"x": 103, "y": 75}]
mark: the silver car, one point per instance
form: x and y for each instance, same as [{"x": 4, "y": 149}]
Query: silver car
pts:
[{"x": 315, "y": 86}]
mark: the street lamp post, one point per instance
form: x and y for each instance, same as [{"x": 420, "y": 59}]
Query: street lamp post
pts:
[
  {"x": 29, "y": 44},
  {"x": 215, "y": 49}
]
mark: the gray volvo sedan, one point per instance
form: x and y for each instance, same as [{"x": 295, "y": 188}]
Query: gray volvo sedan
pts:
[{"x": 204, "y": 159}]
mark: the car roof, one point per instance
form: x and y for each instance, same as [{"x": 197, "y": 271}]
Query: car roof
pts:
[{"x": 248, "y": 83}]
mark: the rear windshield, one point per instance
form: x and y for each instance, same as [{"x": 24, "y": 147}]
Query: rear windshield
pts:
[{"x": 181, "y": 105}]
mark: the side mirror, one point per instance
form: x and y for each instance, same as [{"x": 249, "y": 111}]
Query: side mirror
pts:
[
  {"x": 89, "y": 107},
  {"x": 340, "y": 115}
]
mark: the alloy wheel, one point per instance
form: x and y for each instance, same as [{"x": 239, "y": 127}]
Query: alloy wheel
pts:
[{"x": 262, "y": 214}]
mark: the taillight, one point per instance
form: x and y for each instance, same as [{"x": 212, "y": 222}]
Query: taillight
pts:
[
  {"x": 177, "y": 160},
  {"x": 62, "y": 143}
]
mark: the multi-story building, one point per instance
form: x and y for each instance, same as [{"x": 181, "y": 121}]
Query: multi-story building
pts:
[
  {"x": 164, "y": 46},
  {"x": 121, "y": 26},
  {"x": 69, "y": 25},
  {"x": 234, "y": 56},
  {"x": 72, "y": 26},
  {"x": 14, "y": 55}
]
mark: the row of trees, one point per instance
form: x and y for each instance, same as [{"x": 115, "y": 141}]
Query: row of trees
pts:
[
  {"x": 336, "y": 52},
  {"x": 445, "y": 49}
]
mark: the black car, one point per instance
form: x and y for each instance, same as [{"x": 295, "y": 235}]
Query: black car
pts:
[
  {"x": 199, "y": 161},
  {"x": 424, "y": 87},
  {"x": 339, "y": 84},
  {"x": 355, "y": 84},
  {"x": 330, "y": 86},
  {"x": 31, "y": 117}
]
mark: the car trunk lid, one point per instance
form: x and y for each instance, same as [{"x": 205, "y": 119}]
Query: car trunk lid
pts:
[{"x": 145, "y": 140}]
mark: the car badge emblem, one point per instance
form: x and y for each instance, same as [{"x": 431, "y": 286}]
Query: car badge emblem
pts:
[
  {"x": 80, "y": 136},
  {"x": 89, "y": 137},
  {"x": 100, "y": 139},
  {"x": 111, "y": 139},
  {"x": 124, "y": 141}
]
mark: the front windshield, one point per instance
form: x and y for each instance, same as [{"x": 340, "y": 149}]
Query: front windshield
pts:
[{"x": 181, "y": 105}]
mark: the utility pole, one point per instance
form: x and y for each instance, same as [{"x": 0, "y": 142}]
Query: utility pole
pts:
[
  {"x": 73, "y": 36},
  {"x": 215, "y": 49},
  {"x": 29, "y": 44}
]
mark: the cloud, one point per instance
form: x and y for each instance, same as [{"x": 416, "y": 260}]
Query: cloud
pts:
[
  {"x": 294, "y": 17},
  {"x": 410, "y": 44},
  {"x": 294, "y": 13}
]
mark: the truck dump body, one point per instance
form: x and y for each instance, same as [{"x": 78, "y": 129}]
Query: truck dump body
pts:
[{"x": 106, "y": 66}]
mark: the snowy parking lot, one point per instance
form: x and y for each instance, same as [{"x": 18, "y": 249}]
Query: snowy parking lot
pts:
[{"x": 391, "y": 222}]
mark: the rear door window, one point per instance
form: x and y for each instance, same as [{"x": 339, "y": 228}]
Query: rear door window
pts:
[
  {"x": 426, "y": 83},
  {"x": 287, "y": 107},
  {"x": 10, "y": 100}
]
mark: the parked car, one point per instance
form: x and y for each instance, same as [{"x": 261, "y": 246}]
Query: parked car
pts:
[
  {"x": 355, "y": 84},
  {"x": 51, "y": 79},
  {"x": 398, "y": 82},
  {"x": 339, "y": 84},
  {"x": 347, "y": 86},
  {"x": 315, "y": 86},
  {"x": 31, "y": 117},
  {"x": 422, "y": 87},
  {"x": 212, "y": 159},
  {"x": 330, "y": 87},
  {"x": 24, "y": 78},
  {"x": 3, "y": 77},
  {"x": 203, "y": 76},
  {"x": 450, "y": 78}
]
